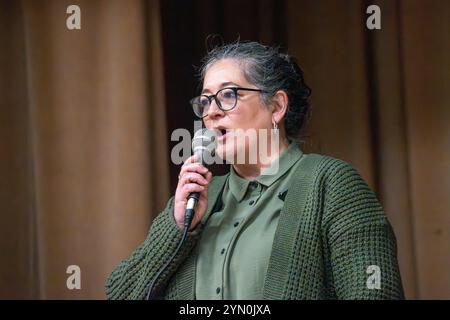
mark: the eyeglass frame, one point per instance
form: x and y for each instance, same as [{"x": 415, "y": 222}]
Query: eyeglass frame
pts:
[{"x": 219, "y": 105}]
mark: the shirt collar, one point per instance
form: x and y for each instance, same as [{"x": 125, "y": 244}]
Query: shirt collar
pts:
[{"x": 239, "y": 185}]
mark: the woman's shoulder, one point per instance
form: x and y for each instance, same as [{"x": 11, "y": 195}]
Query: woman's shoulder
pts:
[
  {"x": 345, "y": 194},
  {"x": 332, "y": 175},
  {"x": 327, "y": 165}
]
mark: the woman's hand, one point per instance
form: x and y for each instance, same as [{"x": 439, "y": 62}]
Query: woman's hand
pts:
[{"x": 193, "y": 177}]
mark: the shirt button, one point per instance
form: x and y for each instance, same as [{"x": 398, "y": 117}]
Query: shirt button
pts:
[
  {"x": 251, "y": 202},
  {"x": 223, "y": 251},
  {"x": 218, "y": 290},
  {"x": 236, "y": 224},
  {"x": 253, "y": 184}
]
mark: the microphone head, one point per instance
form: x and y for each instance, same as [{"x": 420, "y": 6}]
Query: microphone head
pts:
[{"x": 204, "y": 145}]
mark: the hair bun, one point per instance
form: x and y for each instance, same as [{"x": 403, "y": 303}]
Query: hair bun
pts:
[{"x": 285, "y": 57}]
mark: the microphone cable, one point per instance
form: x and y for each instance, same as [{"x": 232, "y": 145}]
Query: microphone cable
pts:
[{"x": 189, "y": 215}]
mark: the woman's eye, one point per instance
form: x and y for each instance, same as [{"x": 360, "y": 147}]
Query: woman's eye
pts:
[
  {"x": 204, "y": 102},
  {"x": 229, "y": 94}
]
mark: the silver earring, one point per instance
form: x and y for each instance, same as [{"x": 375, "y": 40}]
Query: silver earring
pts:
[{"x": 275, "y": 125}]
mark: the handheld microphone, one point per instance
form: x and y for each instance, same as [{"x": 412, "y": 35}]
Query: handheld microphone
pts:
[{"x": 204, "y": 146}]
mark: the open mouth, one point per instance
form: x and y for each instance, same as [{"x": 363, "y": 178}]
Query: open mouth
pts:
[{"x": 221, "y": 132}]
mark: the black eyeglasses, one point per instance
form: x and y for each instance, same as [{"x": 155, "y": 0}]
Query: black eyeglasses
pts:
[{"x": 226, "y": 100}]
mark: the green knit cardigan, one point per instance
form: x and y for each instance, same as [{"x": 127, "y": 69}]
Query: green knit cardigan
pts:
[{"x": 333, "y": 241}]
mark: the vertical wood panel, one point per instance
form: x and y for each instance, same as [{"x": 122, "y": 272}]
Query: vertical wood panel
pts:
[
  {"x": 393, "y": 145},
  {"x": 328, "y": 38},
  {"x": 18, "y": 279},
  {"x": 91, "y": 139},
  {"x": 425, "y": 38}
]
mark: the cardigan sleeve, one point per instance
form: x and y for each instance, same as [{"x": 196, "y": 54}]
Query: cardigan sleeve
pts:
[
  {"x": 131, "y": 278},
  {"x": 360, "y": 240}
]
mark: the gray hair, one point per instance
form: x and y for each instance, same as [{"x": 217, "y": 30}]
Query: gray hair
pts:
[{"x": 270, "y": 70}]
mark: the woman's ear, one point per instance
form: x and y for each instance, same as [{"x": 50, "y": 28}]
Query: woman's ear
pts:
[{"x": 280, "y": 105}]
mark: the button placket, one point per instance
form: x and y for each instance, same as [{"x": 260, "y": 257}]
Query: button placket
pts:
[
  {"x": 255, "y": 193},
  {"x": 235, "y": 224},
  {"x": 222, "y": 254}
]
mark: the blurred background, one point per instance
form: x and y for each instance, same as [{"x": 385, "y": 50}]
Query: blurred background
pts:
[{"x": 86, "y": 118}]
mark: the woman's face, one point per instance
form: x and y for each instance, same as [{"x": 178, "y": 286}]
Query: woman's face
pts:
[{"x": 250, "y": 114}]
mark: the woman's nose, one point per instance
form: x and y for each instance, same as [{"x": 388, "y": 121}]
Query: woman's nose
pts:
[{"x": 214, "y": 111}]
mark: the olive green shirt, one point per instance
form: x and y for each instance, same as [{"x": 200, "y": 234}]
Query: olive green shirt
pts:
[{"x": 234, "y": 250}]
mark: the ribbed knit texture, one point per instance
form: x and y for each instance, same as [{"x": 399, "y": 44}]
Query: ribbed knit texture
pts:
[
  {"x": 331, "y": 229},
  {"x": 131, "y": 278}
]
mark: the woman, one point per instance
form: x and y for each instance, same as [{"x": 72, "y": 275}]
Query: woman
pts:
[{"x": 312, "y": 229}]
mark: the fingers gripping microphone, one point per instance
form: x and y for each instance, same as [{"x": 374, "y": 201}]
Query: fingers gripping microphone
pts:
[{"x": 203, "y": 145}]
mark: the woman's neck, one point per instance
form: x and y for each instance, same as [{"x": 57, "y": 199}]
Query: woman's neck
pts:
[{"x": 251, "y": 171}]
